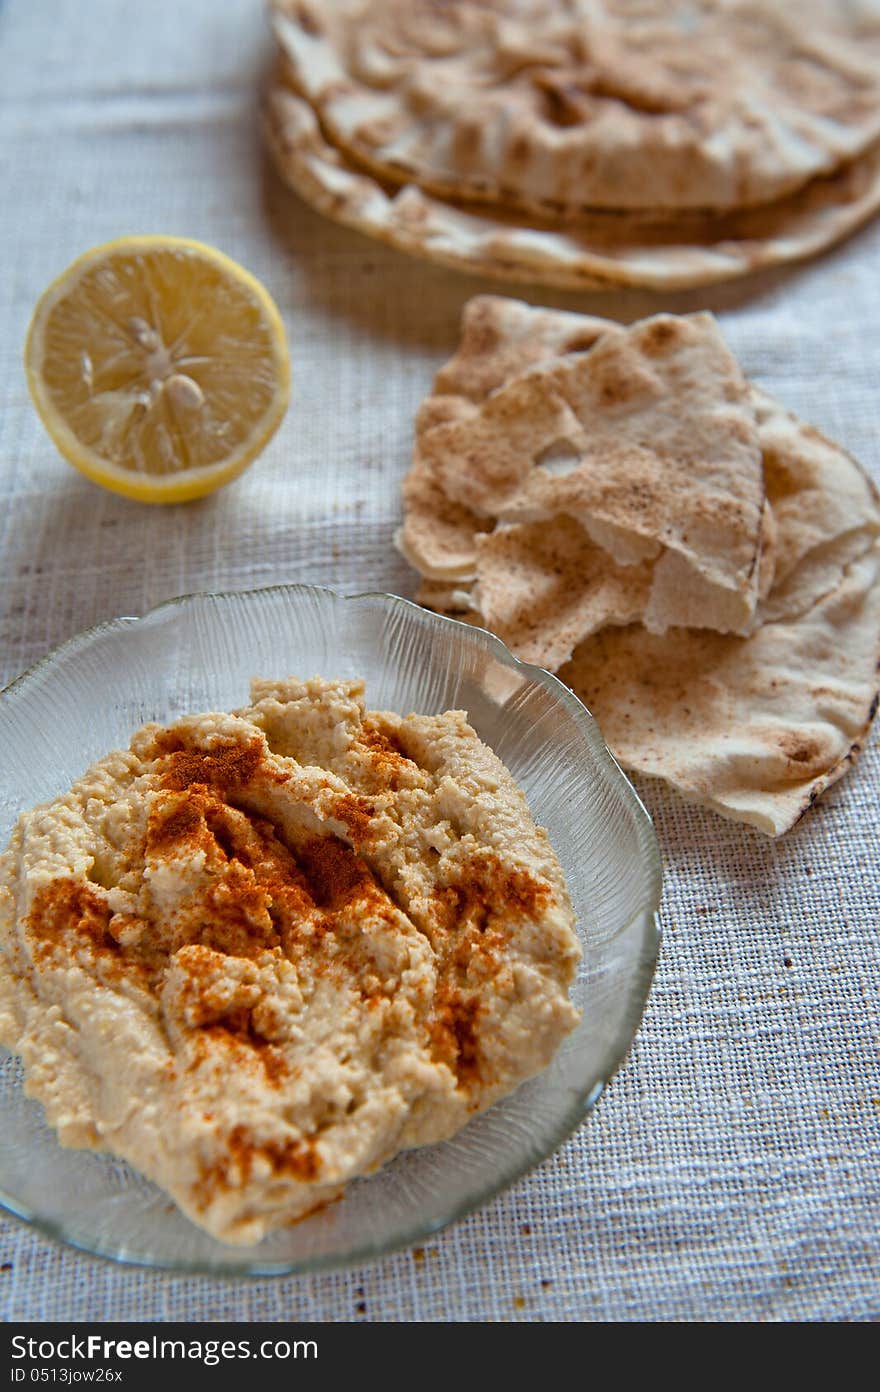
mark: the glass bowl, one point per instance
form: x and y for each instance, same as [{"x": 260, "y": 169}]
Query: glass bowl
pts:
[{"x": 198, "y": 653}]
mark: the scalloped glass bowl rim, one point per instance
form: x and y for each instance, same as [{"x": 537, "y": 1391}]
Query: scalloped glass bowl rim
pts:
[{"x": 618, "y": 1047}]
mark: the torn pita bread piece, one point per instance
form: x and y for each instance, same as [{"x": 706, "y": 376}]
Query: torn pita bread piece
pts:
[
  {"x": 543, "y": 589},
  {"x": 453, "y": 601},
  {"x": 501, "y": 337},
  {"x": 649, "y": 441},
  {"x": 559, "y": 108},
  {"x": 754, "y": 726},
  {"x": 599, "y": 252},
  {"x": 438, "y": 536},
  {"x": 828, "y": 502},
  {"x": 826, "y": 509}
]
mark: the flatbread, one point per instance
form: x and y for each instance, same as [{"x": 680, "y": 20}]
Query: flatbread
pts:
[
  {"x": 544, "y": 588},
  {"x": 453, "y": 603},
  {"x": 556, "y": 108},
  {"x": 753, "y": 726},
  {"x": 602, "y": 251},
  {"x": 438, "y": 536},
  {"x": 827, "y": 505},
  {"x": 501, "y": 337},
  {"x": 757, "y": 727},
  {"x": 825, "y": 508},
  {"x": 649, "y": 441}
]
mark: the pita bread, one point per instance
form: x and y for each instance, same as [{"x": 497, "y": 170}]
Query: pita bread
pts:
[
  {"x": 649, "y": 441},
  {"x": 827, "y": 505},
  {"x": 601, "y": 251},
  {"x": 753, "y": 726},
  {"x": 826, "y": 509},
  {"x": 556, "y": 108},
  {"x": 438, "y": 536},
  {"x": 455, "y": 603},
  {"x": 544, "y": 588},
  {"x": 500, "y": 338}
]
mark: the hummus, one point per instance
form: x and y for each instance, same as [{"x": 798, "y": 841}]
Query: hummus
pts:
[{"x": 258, "y": 954}]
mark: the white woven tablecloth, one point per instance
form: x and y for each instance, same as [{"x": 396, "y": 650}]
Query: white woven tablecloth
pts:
[{"x": 733, "y": 1169}]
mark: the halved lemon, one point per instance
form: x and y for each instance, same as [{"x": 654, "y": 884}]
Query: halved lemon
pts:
[{"x": 159, "y": 367}]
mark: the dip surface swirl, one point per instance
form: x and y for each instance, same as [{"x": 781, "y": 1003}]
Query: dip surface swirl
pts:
[{"x": 258, "y": 954}]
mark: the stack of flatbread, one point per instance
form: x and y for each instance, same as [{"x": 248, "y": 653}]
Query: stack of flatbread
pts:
[
  {"x": 658, "y": 143},
  {"x": 623, "y": 507}
]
